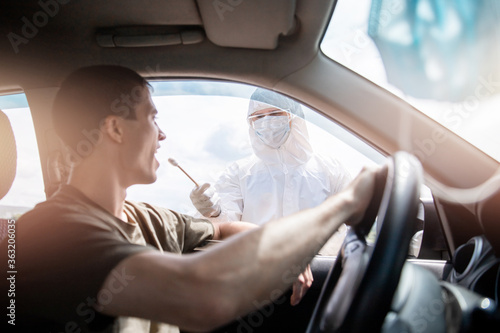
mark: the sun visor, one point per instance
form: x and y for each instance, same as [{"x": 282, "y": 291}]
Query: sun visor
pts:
[{"x": 247, "y": 24}]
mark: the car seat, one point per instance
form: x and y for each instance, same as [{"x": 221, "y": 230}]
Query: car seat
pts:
[{"x": 8, "y": 163}]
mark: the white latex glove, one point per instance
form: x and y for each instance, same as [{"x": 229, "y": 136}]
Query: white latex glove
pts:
[{"x": 206, "y": 200}]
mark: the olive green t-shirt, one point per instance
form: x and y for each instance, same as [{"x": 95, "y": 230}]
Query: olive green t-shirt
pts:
[{"x": 67, "y": 246}]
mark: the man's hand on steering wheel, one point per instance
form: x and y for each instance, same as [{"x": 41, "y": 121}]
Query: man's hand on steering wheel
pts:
[{"x": 360, "y": 191}]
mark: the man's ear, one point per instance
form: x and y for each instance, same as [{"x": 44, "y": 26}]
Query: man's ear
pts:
[{"x": 112, "y": 126}]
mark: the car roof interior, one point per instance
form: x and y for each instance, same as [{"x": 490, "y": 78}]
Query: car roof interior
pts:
[{"x": 275, "y": 45}]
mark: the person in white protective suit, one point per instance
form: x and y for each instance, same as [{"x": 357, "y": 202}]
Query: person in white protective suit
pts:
[{"x": 283, "y": 176}]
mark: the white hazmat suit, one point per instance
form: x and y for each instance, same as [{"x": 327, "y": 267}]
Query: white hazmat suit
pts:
[{"x": 283, "y": 176}]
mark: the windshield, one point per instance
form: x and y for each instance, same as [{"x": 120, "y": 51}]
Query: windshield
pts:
[{"x": 475, "y": 117}]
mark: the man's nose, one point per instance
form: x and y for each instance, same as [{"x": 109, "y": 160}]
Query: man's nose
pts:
[{"x": 161, "y": 135}]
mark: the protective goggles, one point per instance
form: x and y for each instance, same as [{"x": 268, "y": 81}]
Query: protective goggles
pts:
[{"x": 273, "y": 113}]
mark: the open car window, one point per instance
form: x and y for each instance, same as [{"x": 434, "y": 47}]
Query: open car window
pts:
[{"x": 206, "y": 129}]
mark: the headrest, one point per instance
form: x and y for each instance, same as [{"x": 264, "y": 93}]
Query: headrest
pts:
[{"x": 8, "y": 155}]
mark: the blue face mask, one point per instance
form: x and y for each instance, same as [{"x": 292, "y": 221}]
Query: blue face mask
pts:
[
  {"x": 273, "y": 130},
  {"x": 441, "y": 50}
]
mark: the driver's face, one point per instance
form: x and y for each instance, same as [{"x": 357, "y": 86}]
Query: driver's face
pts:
[{"x": 141, "y": 142}]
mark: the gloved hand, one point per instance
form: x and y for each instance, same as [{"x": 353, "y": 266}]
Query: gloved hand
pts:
[{"x": 206, "y": 200}]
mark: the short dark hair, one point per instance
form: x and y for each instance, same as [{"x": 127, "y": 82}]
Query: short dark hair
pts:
[{"x": 89, "y": 95}]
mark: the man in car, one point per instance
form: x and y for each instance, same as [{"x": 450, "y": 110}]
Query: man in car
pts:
[{"x": 88, "y": 260}]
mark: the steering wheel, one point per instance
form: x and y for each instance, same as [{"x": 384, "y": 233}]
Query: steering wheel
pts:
[{"x": 359, "y": 288}]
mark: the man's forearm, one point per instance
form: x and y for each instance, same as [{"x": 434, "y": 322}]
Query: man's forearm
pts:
[
  {"x": 238, "y": 275},
  {"x": 209, "y": 288},
  {"x": 261, "y": 264}
]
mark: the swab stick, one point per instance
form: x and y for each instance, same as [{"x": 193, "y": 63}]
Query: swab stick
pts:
[{"x": 175, "y": 164}]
